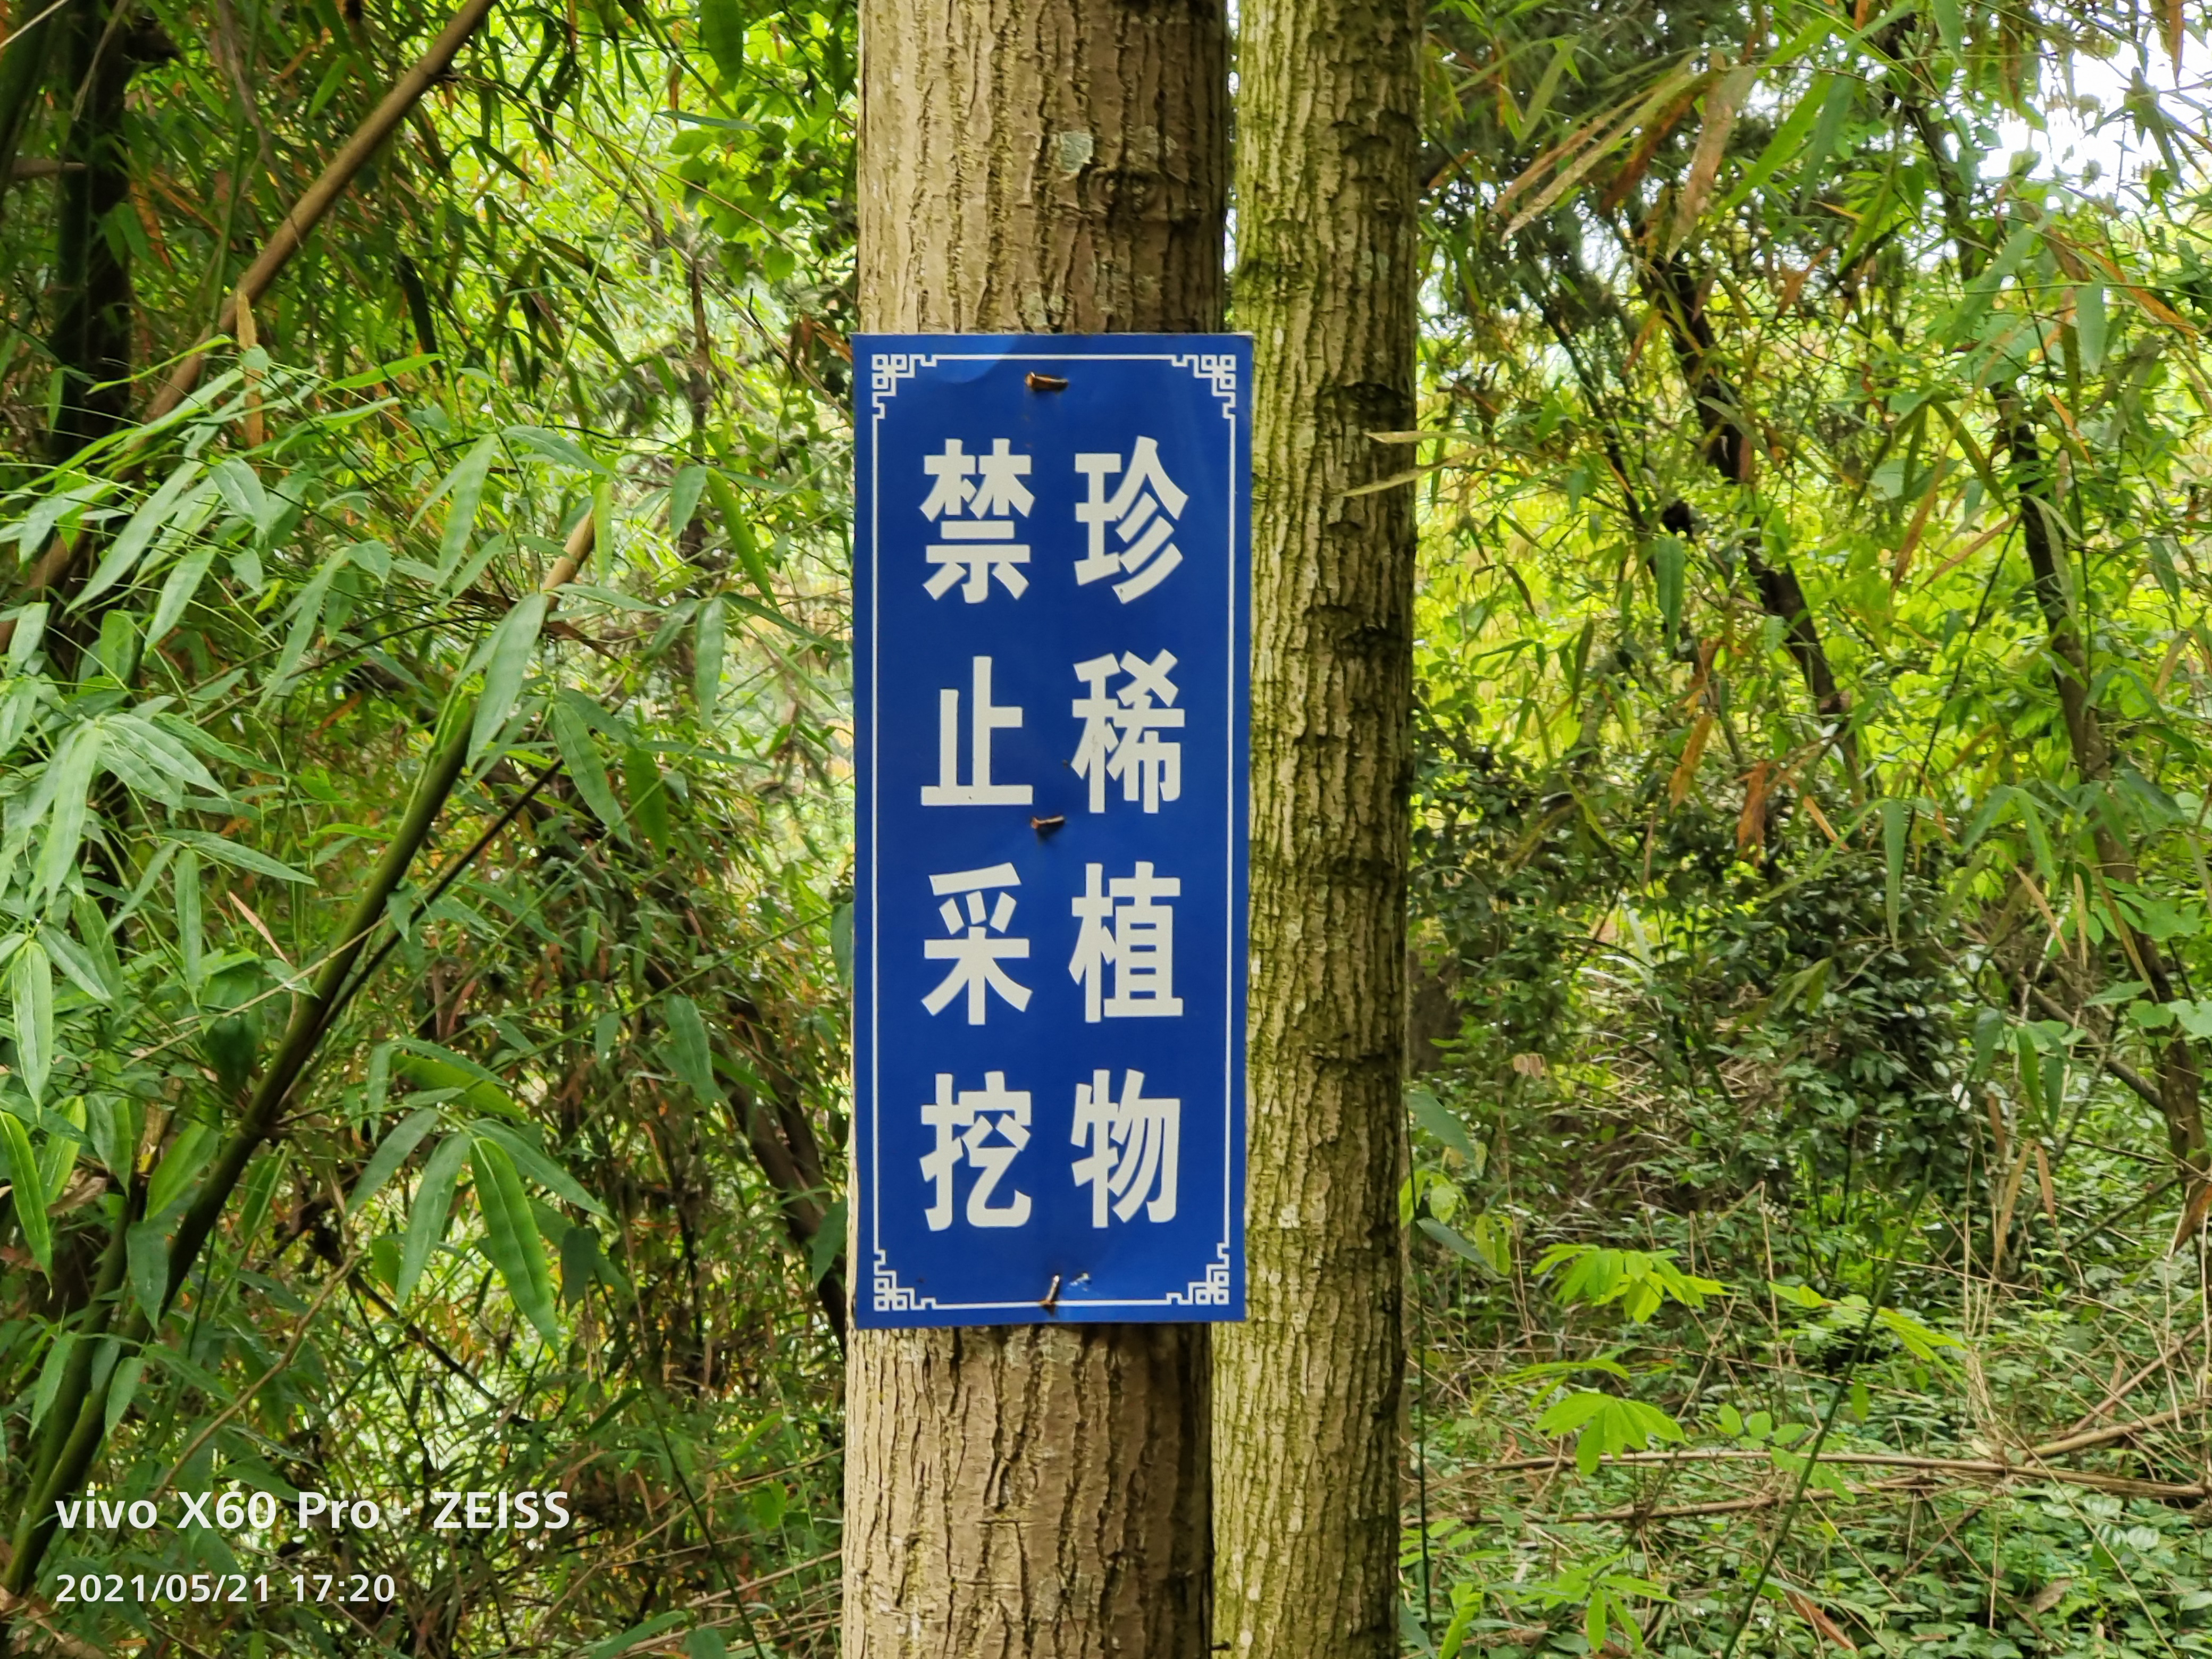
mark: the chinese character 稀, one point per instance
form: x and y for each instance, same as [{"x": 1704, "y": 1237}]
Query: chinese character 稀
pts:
[
  {"x": 1141, "y": 511},
  {"x": 1131, "y": 1148},
  {"x": 973, "y": 502},
  {"x": 1121, "y": 731},
  {"x": 985, "y": 1128},
  {"x": 1125, "y": 926},
  {"x": 977, "y": 911}
]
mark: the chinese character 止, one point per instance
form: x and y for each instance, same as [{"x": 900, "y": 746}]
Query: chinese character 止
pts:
[
  {"x": 1131, "y": 1147},
  {"x": 1124, "y": 926},
  {"x": 1142, "y": 512},
  {"x": 982, "y": 545},
  {"x": 964, "y": 1122},
  {"x": 973, "y": 951},
  {"x": 1121, "y": 733},
  {"x": 983, "y": 719}
]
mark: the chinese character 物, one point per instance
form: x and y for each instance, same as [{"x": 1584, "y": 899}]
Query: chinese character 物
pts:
[
  {"x": 1121, "y": 733},
  {"x": 1142, "y": 512},
  {"x": 1130, "y": 1146},
  {"x": 965, "y": 1123},
  {"x": 983, "y": 719},
  {"x": 972, "y": 950},
  {"x": 989, "y": 490},
  {"x": 1125, "y": 925}
]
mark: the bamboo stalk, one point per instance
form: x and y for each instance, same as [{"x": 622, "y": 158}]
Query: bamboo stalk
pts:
[{"x": 306, "y": 213}]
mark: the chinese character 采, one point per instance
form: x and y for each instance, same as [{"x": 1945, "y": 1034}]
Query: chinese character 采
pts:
[
  {"x": 1125, "y": 925},
  {"x": 1121, "y": 733},
  {"x": 982, "y": 544},
  {"x": 973, "y": 953},
  {"x": 1131, "y": 1147},
  {"x": 1142, "y": 512},
  {"x": 983, "y": 719},
  {"x": 965, "y": 1123}
]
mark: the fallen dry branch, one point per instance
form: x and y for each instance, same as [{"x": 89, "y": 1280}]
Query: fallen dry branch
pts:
[{"x": 1967, "y": 1468}]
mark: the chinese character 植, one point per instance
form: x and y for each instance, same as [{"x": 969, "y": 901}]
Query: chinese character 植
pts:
[
  {"x": 1126, "y": 925},
  {"x": 1121, "y": 732},
  {"x": 1130, "y": 1147},
  {"x": 1142, "y": 513},
  {"x": 983, "y": 719},
  {"x": 975, "y": 948},
  {"x": 965, "y": 1123},
  {"x": 989, "y": 491}
]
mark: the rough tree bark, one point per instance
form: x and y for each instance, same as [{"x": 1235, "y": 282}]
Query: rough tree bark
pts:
[
  {"x": 1046, "y": 165},
  {"x": 1308, "y": 1394}
]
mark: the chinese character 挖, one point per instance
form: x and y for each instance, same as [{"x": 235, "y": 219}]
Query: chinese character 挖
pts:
[
  {"x": 983, "y": 719},
  {"x": 965, "y": 1122},
  {"x": 972, "y": 950},
  {"x": 1125, "y": 926},
  {"x": 1130, "y": 1147},
  {"x": 1121, "y": 733},
  {"x": 989, "y": 489},
  {"x": 1142, "y": 513}
]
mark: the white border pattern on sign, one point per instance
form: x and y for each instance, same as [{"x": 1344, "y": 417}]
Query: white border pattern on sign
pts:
[
  {"x": 1220, "y": 369},
  {"x": 889, "y": 368},
  {"x": 891, "y": 1296},
  {"x": 1211, "y": 1292}
]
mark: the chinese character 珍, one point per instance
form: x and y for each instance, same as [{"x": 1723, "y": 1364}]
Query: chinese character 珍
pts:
[
  {"x": 1121, "y": 733},
  {"x": 1125, "y": 925},
  {"x": 989, "y": 489},
  {"x": 1130, "y": 1147},
  {"x": 965, "y": 1122},
  {"x": 983, "y": 719},
  {"x": 1142, "y": 512},
  {"x": 973, "y": 951}
]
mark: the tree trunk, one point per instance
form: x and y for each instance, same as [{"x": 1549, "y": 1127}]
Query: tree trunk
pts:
[
  {"x": 1039, "y": 165},
  {"x": 1307, "y": 1427}
]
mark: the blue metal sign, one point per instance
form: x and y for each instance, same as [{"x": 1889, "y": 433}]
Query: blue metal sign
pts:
[{"x": 1051, "y": 594}]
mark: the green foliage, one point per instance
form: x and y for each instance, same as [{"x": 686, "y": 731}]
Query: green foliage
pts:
[{"x": 505, "y": 1230}]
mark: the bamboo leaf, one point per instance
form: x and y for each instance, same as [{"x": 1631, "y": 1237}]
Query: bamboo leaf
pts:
[
  {"x": 688, "y": 1049},
  {"x": 684, "y": 497},
  {"x": 74, "y": 960},
  {"x": 121, "y": 1388},
  {"x": 223, "y": 851},
  {"x": 31, "y": 980},
  {"x": 133, "y": 540},
  {"x": 2089, "y": 326},
  {"x": 648, "y": 794},
  {"x": 1441, "y": 1122},
  {"x": 1892, "y": 853},
  {"x": 73, "y": 773},
  {"x": 23, "y": 1175},
  {"x": 430, "y": 1067},
  {"x": 426, "y": 1216},
  {"x": 537, "y": 1166},
  {"x": 177, "y": 591},
  {"x": 722, "y": 31},
  {"x": 512, "y": 645},
  {"x": 580, "y": 755},
  {"x": 707, "y": 658},
  {"x": 464, "y": 485},
  {"x": 511, "y": 1236},
  {"x": 1722, "y": 102},
  {"x": 391, "y": 1154}
]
